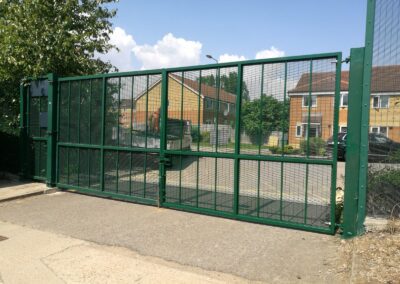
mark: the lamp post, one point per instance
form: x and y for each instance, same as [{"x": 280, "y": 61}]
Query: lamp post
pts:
[{"x": 212, "y": 58}]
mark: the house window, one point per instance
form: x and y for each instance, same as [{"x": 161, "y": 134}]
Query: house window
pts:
[
  {"x": 380, "y": 101},
  {"x": 306, "y": 101},
  {"x": 209, "y": 104},
  {"x": 344, "y": 100},
  {"x": 299, "y": 130},
  {"x": 343, "y": 129},
  {"x": 315, "y": 130},
  {"x": 380, "y": 129}
]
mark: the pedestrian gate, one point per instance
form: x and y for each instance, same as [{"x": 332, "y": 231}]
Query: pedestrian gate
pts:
[{"x": 251, "y": 140}]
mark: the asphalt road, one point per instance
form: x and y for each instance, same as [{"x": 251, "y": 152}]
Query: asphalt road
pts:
[{"x": 252, "y": 251}]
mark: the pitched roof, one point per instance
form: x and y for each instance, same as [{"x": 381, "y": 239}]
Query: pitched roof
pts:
[
  {"x": 384, "y": 79},
  {"x": 205, "y": 90}
]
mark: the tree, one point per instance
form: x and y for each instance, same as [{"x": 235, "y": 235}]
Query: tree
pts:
[
  {"x": 262, "y": 116},
  {"x": 42, "y": 36},
  {"x": 228, "y": 83}
]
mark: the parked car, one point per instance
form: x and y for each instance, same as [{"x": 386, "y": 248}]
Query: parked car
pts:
[{"x": 380, "y": 147}]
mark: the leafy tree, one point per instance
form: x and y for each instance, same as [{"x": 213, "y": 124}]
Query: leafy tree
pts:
[
  {"x": 262, "y": 116},
  {"x": 42, "y": 36},
  {"x": 228, "y": 83}
]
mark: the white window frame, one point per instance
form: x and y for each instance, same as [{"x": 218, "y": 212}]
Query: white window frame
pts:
[
  {"x": 306, "y": 133},
  {"x": 312, "y": 105},
  {"x": 379, "y": 130},
  {"x": 341, "y": 99},
  {"x": 301, "y": 130},
  {"x": 341, "y": 127},
  {"x": 380, "y": 101}
]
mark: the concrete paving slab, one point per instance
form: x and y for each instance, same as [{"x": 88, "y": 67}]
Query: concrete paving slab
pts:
[
  {"x": 15, "y": 190},
  {"x": 33, "y": 256}
]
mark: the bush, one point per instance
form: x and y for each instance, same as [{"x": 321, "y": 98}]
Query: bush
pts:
[
  {"x": 287, "y": 149},
  {"x": 383, "y": 191},
  {"x": 317, "y": 146},
  {"x": 205, "y": 136}
]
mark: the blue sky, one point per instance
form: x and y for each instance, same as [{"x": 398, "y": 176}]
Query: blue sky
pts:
[{"x": 155, "y": 33}]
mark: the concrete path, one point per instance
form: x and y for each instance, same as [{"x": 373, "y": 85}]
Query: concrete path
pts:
[
  {"x": 250, "y": 251},
  {"x": 33, "y": 256},
  {"x": 14, "y": 189}
]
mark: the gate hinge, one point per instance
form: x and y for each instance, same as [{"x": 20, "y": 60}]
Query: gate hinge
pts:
[{"x": 346, "y": 60}]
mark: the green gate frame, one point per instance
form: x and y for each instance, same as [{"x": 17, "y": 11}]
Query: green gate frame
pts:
[{"x": 54, "y": 144}]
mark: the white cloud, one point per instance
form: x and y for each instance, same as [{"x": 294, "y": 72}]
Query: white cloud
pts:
[
  {"x": 230, "y": 58},
  {"x": 123, "y": 59},
  {"x": 168, "y": 52},
  {"x": 270, "y": 53}
]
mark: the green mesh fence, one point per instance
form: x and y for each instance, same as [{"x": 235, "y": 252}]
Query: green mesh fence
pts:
[{"x": 384, "y": 137}]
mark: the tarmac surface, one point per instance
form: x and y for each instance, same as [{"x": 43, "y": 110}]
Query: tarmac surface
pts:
[{"x": 245, "y": 250}]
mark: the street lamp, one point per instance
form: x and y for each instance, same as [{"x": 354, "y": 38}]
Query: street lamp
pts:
[{"x": 210, "y": 57}]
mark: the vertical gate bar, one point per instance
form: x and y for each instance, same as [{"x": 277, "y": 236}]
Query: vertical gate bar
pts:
[
  {"x": 69, "y": 111},
  {"x": 181, "y": 122},
  {"x": 22, "y": 130},
  {"x": 308, "y": 140},
  {"x": 218, "y": 83},
  {"x": 283, "y": 147},
  {"x": 146, "y": 137},
  {"x": 163, "y": 138},
  {"x": 51, "y": 130},
  {"x": 90, "y": 130},
  {"x": 197, "y": 181},
  {"x": 28, "y": 131},
  {"x": 180, "y": 179},
  {"x": 215, "y": 182},
  {"x": 338, "y": 79},
  {"x": 117, "y": 171},
  {"x": 237, "y": 139},
  {"x": 260, "y": 142},
  {"x": 103, "y": 114},
  {"x": 260, "y": 114},
  {"x": 130, "y": 136},
  {"x": 79, "y": 129},
  {"x": 90, "y": 111},
  {"x": 198, "y": 114},
  {"x": 119, "y": 109},
  {"x": 57, "y": 134},
  {"x": 69, "y": 129},
  {"x": 118, "y": 129},
  {"x": 181, "y": 138}
]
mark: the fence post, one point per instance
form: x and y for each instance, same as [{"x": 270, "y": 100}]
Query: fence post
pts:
[
  {"x": 353, "y": 144},
  {"x": 356, "y": 179},
  {"x": 51, "y": 130}
]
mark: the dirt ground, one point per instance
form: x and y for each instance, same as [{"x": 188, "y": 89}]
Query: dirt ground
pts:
[{"x": 373, "y": 257}]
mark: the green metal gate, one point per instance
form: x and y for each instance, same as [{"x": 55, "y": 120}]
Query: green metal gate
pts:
[
  {"x": 35, "y": 96},
  {"x": 252, "y": 140}
]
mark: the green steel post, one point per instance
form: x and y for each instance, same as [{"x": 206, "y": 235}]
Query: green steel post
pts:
[
  {"x": 51, "y": 130},
  {"x": 354, "y": 144},
  {"x": 237, "y": 140},
  {"x": 368, "y": 53}
]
